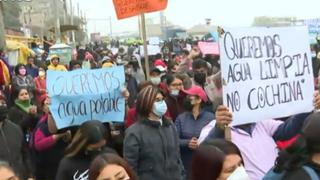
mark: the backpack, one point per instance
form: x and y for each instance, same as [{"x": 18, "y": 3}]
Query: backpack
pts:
[{"x": 271, "y": 175}]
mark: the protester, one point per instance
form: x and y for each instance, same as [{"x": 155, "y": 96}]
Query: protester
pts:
[
  {"x": 88, "y": 61},
  {"x": 132, "y": 112},
  {"x": 257, "y": 141},
  {"x": 160, "y": 62},
  {"x": 186, "y": 63},
  {"x": 22, "y": 80},
  {"x": 190, "y": 123},
  {"x": 132, "y": 85},
  {"x": 48, "y": 147},
  {"x": 75, "y": 65},
  {"x": 301, "y": 159},
  {"x": 13, "y": 149},
  {"x": 88, "y": 142},
  {"x": 175, "y": 96},
  {"x": 6, "y": 172},
  {"x": 155, "y": 77},
  {"x": 218, "y": 159},
  {"x": 137, "y": 72},
  {"x": 23, "y": 113},
  {"x": 54, "y": 64},
  {"x": 151, "y": 145},
  {"x": 41, "y": 86},
  {"x": 110, "y": 166},
  {"x": 32, "y": 69},
  {"x": 201, "y": 77}
]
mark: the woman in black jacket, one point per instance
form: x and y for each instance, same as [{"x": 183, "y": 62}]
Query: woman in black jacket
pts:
[
  {"x": 301, "y": 160},
  {"x": 88, "y": 142},
  {"x": 151, "y": 145},
  {"x": 23, "y": 113}
]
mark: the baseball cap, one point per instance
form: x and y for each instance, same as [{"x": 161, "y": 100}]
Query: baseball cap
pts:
[{"x": 197, "y": 91}]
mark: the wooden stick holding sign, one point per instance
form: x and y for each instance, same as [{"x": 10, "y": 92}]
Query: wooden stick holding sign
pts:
[
  {"x": 227, "y": 128},
  {"x": 145, "y": 45}
]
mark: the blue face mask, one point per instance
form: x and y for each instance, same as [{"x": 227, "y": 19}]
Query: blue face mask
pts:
[{"x": 160, "y": 108}]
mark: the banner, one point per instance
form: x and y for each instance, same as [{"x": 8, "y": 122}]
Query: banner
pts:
[
  {"x": 84, "y": 95},
  {"x": 266, "y": 72},
  {"x": 129, "y": 8},
  {"x": 209, "y": 48}
]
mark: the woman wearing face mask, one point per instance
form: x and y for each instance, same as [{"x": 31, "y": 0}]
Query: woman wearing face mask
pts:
[
  {"x": 23, "y": 113},
  {"x": 151, "y": 145},
  {"x": 301, "y": 160},
  {"x": 155, "y": 78},
  {"x": 110, "y": 166},
  {"x": 22, "y": 80},
  {"x": 218, "y": 160},
  {"x": 41, "y": 87},
  {"x": 48, "y": 147},
  {"x": 175, "y": 97},
  {"x": 190, "y": 123},
  {"x": 13, "y": 148},
  {"x": 88, "y": 142}
]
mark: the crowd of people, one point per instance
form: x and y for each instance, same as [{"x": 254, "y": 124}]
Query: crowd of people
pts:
[{"x": 175, "y": 125}]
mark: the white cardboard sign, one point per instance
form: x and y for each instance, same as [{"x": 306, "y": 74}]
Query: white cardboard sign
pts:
[{"x": 266, "y": 72}]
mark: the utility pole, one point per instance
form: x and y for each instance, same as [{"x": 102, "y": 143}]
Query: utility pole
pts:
[
  {"x": 2, "y": 30},
  {"x": 145, "y": 45},
  {"x": 57, "y": 21},
  {"x": 72, "y": 23}
]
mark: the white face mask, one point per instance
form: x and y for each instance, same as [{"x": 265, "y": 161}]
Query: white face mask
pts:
[
  {"x": 239, "y": 174},
  {"x": 155, "y": 80}
]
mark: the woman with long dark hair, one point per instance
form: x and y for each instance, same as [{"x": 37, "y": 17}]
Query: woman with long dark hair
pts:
[
  {"x": 88, "y": 142},
  {"x": 151, "y": 145},
  {"x": 302, "y": 158},
  {"x": 23, "y": 112},
  {"x": 110, "y": 166},
  {"x": 218, "y": 160}
]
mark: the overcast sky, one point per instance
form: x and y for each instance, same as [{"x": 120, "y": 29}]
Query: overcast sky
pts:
[{"x": 187, "y": 13}]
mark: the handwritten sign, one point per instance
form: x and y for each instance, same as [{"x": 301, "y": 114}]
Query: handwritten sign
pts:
[
  {"x": 84, "y": 95},
  {"x": 154, "y": 41},
  {"x": 152, "y": 50},
  {"x": 266, "y": 73},
  {"x": 129, "y": 8},
  {"x": 209, "y": 48}
]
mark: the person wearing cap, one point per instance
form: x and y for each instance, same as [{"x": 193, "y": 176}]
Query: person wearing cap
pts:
[
  {"x": 13, "y": 149},
  {"x": 303, "y": 154},
  {"x": 54, "y": 64},
  {"x": 155, "y": 78},
  {"x": 190, "y": 123},
  {"x": 88, "y": 142},
  {"x": 159, "y": 61}
]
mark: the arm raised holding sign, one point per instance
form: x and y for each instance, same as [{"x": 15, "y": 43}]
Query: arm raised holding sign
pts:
[{"x": 256, "y": 141}]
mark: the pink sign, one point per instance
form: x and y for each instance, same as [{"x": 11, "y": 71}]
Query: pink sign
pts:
[{"x": 209, "y": 47}]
